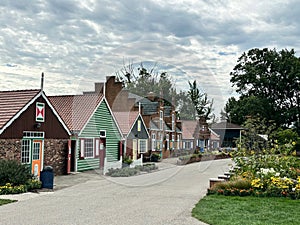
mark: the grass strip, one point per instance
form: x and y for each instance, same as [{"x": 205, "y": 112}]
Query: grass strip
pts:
[{"x": 223, "y": 210}]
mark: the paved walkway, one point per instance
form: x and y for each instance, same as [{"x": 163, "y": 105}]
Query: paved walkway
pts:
[{"x": 163, "y": 197}]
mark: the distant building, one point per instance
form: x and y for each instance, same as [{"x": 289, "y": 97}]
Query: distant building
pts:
[{"x": 228, "y": 133}]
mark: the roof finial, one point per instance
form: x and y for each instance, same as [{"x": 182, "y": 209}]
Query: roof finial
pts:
[{"x": 42, "y": 81}]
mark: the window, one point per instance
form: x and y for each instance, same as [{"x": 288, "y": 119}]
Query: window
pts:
[
  {"x": 178, "y": 141},
  {"x": 142, "y": 145},
  {"x": 139, "y": 128},
  {"x": 25, "y": 152},
  {"x": 153, "y": 141},
  {"x": 173, "y": 122},
  {"x": 36, "y": 151},
  {"x": 168, "y": 141},
  {"x": 188, "y": 145},
  {"x": 161, "y": 120},
  {"x": 102, "y": 133},
  {"x": 87, "y": 148},
  {"x": 32, "y": 134}
]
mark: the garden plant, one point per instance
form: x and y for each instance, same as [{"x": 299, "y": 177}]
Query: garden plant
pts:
[
  {"x": 271, "y": 169},
  {"x": 16, "y": 178}
]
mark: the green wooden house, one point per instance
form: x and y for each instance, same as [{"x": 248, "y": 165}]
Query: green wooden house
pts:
[{"x": 96, "y": 137}]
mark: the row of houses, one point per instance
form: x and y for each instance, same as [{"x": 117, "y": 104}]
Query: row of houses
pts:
[{"x": 94, "y": 130}]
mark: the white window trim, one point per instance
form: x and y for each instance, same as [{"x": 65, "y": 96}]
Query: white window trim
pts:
[
  {"x": 29, "y": 151},
  {"x": 82, "y": 148},
  {"x": 139, "y": 145}
]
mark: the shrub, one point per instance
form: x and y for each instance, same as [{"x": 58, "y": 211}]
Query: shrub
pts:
[
  {"x": 127, "y": 172},
  {"x": 33, "y": 184},
  {"x": 127, "y": 160},
  {"x": 154, "y": 157},
  {"x": 14, "y": 173}
]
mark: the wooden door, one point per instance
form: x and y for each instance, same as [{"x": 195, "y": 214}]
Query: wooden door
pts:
[
  {"x": 37, "y": 154},
  {"x": 134, "y": 149},
  {"x": 102, "y": 152}
]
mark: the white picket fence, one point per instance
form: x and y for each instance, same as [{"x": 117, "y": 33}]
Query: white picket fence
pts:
[
  {"x": 138, "y": 162},
  {"x": 112, "y": 165}
]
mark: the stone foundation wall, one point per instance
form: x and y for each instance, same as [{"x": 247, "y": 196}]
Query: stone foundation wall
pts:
[
  {"x": 55, "y": 153},
  {"x": 10, "y": 149}
]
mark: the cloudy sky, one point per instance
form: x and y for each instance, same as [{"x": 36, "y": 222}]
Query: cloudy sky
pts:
[{"x": 77, "y": 43}]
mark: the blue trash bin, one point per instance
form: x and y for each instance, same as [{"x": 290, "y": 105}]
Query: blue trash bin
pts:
[{"x": 47, "y": 177}]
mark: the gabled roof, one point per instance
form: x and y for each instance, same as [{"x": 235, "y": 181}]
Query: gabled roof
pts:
[
  {"x": 13, "y": 103},
  {"x": 126, "y": 120},
  {"x": 155, "y": 125},
  {"x": 188, "y": 128},
  {"x": 76, "y": 110},
  {"x": 225, "y": 125}
]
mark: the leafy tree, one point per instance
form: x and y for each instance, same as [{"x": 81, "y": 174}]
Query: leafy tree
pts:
[
  {"x": 272, "y": 76},
  {"x": 147, "y": 81},
  {"x": 257, "y": 135},
  {"x": 142, "y": 81},
  {"x": 237, "y": 111},
  {"x": 185, "y": 106},
  {"x": 203, "y": 106}
]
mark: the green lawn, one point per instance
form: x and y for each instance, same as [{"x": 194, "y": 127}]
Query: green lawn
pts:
[
  {"x": 6, "y": 201},
  {"x": 221, "y": 210}
]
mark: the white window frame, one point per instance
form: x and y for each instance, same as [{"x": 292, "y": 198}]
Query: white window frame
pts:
[
  {"x": 161, "y": 118},
  {"x": 101, "y": 132},
  {"x": 168, "y": 141},
  {"x": 25, "y": 151},
  {"x": 84, "y": 152},
  {"x": 33, "y": 134},
  {"x": 153, "y": 141},
  {"x": 143, "y": 145},
  {"x": 139, "y": 125},
  {"x": 173, "y": 122}
]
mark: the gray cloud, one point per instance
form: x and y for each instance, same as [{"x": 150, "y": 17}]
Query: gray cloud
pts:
[{"x": 77, "y": 43}]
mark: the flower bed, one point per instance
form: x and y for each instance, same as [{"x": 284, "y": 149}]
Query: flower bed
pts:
[
  {"x": 266, "y": 175},
  {"x": 9, "y": 188}
]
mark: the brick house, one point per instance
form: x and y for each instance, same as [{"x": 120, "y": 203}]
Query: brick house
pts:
[
  {"x": 160, "y": 120},
  {"x": 195, "y": 133},
  {"x": 32, "y": 132}
]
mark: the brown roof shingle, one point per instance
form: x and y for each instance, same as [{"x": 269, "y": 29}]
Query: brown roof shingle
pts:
[
  {"x": 189, "y": 127},
  {"x": 126, "y": 120},
  {"x": 12, "y": 102},
  {"x": 75, "y": 110},
  {"x": 226, "y": 125}
]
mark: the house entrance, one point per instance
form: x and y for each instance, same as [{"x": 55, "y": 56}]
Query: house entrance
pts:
[
  {"x": 102, "y": 149},
  {"x": 32, "y": 151}
]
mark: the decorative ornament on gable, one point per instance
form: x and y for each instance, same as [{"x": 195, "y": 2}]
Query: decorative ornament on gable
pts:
[{"x": 40, "y": 112}]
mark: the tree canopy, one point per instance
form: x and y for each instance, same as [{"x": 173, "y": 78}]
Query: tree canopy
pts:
[
  {"x": 203, "y": 106},
  {"x": 189, "y": 104},
  {"x": 270, "y": 78}
]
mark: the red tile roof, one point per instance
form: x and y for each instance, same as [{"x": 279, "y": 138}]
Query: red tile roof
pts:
[
  {"x": 13, "y": 102},
  {"x": 189, "y": 128},
  {"x": 75, "y": 110},
  {"x": 126, "y": 120}
]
